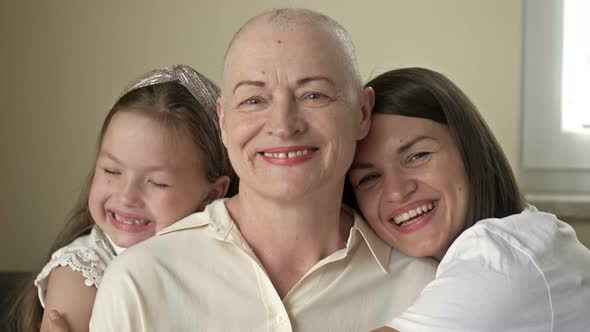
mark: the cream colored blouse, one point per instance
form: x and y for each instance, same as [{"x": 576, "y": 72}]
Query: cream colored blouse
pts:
[{"x": 200, "y": 275}]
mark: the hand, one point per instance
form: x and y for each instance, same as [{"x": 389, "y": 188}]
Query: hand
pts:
[{"x": 57, "y": 323}]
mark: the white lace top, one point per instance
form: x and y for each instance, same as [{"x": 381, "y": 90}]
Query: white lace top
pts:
[{"x": 89, "y": 254}]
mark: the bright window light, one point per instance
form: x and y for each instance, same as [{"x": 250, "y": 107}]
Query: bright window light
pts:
[{"x": 575, "y": 102}]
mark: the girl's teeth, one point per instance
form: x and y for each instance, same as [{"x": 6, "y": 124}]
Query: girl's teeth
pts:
[{"x": 128, "y": 221}]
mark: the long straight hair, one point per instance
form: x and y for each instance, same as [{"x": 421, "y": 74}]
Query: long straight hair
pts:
[{"x": 423, "y": 93}]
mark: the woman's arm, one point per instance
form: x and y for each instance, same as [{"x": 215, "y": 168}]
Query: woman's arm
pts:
[
  {"x": 485, "y": 283},
  {"x": 67, "y": 293}
]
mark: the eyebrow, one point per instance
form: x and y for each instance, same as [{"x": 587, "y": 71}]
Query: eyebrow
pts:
[
  {"x": 110, "y": 156},
  {"x": 413, "y": 141},
  {"x": 157, "y": 168},
  {"x": 356, "y": 166},
  {"x": 401, "y": 149},
  {"x": 309, "y": 79},
  {"x": 248, "y": 82},
  {"x": 299, "y": 82}
]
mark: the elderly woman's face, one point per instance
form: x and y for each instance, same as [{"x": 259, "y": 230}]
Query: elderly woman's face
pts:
[
  {"x": 411, "y": 184},
  {"x": 289, "y": 112}
]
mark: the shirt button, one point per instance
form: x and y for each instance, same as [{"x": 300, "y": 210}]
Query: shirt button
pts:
[{"x": 281, "y": 318}]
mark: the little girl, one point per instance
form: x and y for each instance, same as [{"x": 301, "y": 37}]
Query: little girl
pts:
[{"x": 160, "y": 158}]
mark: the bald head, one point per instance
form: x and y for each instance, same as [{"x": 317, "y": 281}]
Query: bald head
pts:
[{"x": 294, "y": 18}]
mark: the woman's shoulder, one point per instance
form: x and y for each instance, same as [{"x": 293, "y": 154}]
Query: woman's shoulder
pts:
[
  {"x": 530, "y": 235},
  {"x": 529, "y": 245},
  {"x": 88, "y": 255},
  {"x": 531, "y": 255}
]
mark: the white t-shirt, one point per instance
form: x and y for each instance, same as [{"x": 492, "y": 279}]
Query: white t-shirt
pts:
[
  {"x": 89, "y": 255},
  {"x": 526, "y": 272}
]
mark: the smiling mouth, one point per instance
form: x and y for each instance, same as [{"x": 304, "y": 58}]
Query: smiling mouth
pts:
[
  {"x": 411, "y": 216},
  {"x": 129, "y": 221},
  {"x": 288, "y": 155}
]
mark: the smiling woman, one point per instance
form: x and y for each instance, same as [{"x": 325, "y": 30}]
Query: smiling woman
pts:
[
  {"x": 432, "y": 181},
  {"x": 400, "y": 182}
]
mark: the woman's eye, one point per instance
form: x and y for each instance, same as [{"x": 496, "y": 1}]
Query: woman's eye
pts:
[
  {"x": 313, "y": 95},
  {"x": 158, "y": 184},
  {"x": 419, "y": 158},
  {"x": 368, "y": 178},
  {"x": 252, "y": 101},
  {"x": 110, "y": 171},
  {"x": 315, "y": 99}
]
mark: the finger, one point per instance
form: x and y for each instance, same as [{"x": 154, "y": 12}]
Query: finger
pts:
[{"x": 57, "y": 323}]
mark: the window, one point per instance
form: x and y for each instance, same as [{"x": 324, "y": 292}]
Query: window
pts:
[
  {"x": 575, "y": 104},
  {"x": 555, "y": 149}
]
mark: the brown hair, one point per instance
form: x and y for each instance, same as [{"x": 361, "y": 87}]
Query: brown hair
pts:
[
  {"x": 423, "y": 93},
  {"x": 177, "y": 108}
]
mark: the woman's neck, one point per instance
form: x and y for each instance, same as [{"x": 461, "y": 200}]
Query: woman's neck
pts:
[{"x": 289, "y": 238}]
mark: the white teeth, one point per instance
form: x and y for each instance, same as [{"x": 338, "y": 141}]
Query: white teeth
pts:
[
  {"x": 128, "y": 221},
  {"x": 285, "y": 155},
  {"x": 411, "y": 214}
]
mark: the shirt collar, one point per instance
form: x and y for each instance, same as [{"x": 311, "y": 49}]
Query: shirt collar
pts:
[
  {"x": 217, "y": 218},
  {"x": 381, "y": 251}
]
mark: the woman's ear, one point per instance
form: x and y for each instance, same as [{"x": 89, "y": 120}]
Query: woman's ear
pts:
[
  {"x": 367, "y": 103},
  {"x": 221, "y": 118}
]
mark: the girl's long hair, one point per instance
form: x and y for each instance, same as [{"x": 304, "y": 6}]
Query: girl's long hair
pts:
[
  {"x": 26, "y": 312},
  {"x": 183, "y": 104}
]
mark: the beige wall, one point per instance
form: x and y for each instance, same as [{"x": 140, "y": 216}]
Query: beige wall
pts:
[{"x": 64, "y": 62}]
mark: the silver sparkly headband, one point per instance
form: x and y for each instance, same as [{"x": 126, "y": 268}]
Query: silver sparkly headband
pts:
[{"x": 198, "y": 85}]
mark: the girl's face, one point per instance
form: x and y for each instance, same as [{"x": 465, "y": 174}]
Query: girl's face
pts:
[
  {"x": 147, "y": 177},
  {"x": 411, "y": 184}
]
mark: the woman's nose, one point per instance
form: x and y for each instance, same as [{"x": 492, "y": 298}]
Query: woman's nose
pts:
[
  {"x": 285, "y": 120},
  {"x": 399, "y": 187}
]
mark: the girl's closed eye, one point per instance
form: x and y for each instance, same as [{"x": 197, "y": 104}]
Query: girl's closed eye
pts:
[
  {"x": 159, "y": 185},
  {"x": 110, "y": 171}
]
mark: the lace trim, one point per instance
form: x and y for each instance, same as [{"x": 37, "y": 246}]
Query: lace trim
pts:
[
  {"x": 82, "y": 256},
  {"x": 80, "y": 259}
]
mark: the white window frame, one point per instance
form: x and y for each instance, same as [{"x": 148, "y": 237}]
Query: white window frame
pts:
[{"x": 552, "y": 160}]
